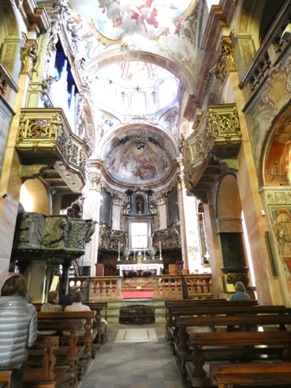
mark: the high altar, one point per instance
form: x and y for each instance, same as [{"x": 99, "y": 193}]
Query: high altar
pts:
[{"x": 140, "y": 267}]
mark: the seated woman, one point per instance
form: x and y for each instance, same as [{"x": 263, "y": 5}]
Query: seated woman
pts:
[
  {"x": 52, "y": 304},
  {"x": 240, "y": 293},
  {"x": 77, "y": 305}
]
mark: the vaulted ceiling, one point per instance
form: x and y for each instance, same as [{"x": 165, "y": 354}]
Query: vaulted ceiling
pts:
[{"x": 141, "y": 57}]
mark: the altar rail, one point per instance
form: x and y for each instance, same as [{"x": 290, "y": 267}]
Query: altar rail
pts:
[{"x": 109, "y": 288}]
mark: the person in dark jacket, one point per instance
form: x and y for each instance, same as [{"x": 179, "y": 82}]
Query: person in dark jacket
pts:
[
  {"x": 18, "y": 327},
  {"x": 67, "y": 299}
]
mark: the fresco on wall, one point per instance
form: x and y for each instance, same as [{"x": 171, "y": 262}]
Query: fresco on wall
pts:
[
  {"x": 172, "y": 27},
  {"x": 170, "y": 121},
  {"x": 278, "y": 155},
  {"x": 128, "y": 163},
  {"x": 104, "y": 122},
  {"x": 282, "y": 229},
  {"x": 281, "y": 220},
  {"x": 149, "y": 18}
]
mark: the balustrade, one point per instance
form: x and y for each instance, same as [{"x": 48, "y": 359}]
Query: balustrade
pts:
[{"x": 109, "y": 288}]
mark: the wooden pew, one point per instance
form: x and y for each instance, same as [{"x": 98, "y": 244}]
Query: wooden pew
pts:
[
  {"x": 40, "y": 368},
  {"x": 5, "y": 378},
  {"x": 101, "y": 309},
  {"x": 216, "y": 317},
  {"x": 69, "y": 352},
  {"x": 201, "y": 343},
  {"x": 184, "y": 305},
  {"x": 236, "y": 308},
  {"x": 268, "y": 374},
  {"x": 245, "y": 322}
]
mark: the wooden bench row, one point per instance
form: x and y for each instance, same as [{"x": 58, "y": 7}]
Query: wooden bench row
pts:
[
  {"x": 269, "y": 374},
  {"x": 207, "y": 332},
  {"x": 66, "y": 354},
  {"x": 5, "y": 378},
  {"x": 101, "y": 311}
]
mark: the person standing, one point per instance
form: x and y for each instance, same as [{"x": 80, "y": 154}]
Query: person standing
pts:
[{"x": 18, "y": 327}]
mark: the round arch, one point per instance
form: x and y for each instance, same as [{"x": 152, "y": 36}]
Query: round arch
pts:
[{"x": 117, "y": 55}]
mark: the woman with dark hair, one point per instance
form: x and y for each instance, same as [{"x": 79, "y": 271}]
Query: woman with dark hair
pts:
[{"x": 18, "y": 327}]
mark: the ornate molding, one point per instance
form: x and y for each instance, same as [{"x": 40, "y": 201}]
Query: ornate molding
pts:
[
  {"x": 42, "y": 236},
  {"x": 211, "y": 149},
  {"x": 225, "y": 61},
  {"x": 44, "y": 135}
]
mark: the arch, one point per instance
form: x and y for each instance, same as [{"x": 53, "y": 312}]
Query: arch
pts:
[
  {"x": 275, "y": 167},
  {"x": 34, "y": 197},
  {"x": 228, "y": 204},
  {"x": 165, "y": 138},
  {"x": 118, "y": 55}
]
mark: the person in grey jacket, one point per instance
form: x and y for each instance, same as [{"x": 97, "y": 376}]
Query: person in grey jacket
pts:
[
  {"x": 18, "y": 327},
  {"x": 240, "y": 292}
]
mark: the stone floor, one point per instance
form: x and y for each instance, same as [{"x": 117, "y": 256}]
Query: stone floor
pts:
[{"x": 140, "y": 358}]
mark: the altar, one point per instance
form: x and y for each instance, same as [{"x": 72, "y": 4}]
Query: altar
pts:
[{"x": 156, "y": 268}]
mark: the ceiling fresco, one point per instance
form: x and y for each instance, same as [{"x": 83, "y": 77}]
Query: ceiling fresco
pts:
[
  {"x": 140, "y": 154},
  {"x": 112, "y": 36},
  {"x": 115, "y": 19}
]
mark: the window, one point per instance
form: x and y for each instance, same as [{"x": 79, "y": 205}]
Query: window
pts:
[{"x": 139, "y": 235}]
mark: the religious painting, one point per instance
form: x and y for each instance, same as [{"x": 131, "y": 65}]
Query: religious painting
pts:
[
  {"x": 281, "y": 220},
  {"x": 278, "y": 154},
  {"x": 105, "y": 122},
  {"x": 149, "y": 18},
  {"x": 132, "y": 163}
]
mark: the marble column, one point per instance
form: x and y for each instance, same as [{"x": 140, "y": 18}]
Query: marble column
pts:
[
  {"x": 91, "y": 210},
  {"x": 191, "y": 247}
]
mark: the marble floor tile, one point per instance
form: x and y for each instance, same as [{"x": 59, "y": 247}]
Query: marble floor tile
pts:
[{"x": 144, "y": 361}]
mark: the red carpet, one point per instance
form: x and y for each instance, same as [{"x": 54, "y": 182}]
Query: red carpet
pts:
[{"x": 136, "y": 294}]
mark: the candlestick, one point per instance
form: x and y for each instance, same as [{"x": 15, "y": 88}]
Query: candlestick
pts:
[
  {"x": 118, "y": 258},
  {"x": 160, "y": 246}
]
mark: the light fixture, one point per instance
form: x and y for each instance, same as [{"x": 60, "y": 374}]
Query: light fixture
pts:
[{"x": 140, "y": 144}]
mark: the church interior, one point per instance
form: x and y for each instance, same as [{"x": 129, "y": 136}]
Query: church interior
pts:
[
  {"x": 93, "y": 142},
  {"x": 143, "y": 141}
]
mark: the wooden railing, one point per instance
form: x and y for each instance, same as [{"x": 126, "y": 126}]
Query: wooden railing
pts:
[{"x": 109, "y": 288}]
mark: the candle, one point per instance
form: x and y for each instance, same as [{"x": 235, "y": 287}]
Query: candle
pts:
[
  {"x": 118, "y": 247},
  {"x": 160, "y": 245}
]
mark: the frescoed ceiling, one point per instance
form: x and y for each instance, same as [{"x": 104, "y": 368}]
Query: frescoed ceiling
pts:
[{"x": 142, "y": 60}]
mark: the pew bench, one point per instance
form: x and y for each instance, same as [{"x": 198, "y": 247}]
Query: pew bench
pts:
[
  {"x": 40, "y": 368},
  {"x": 189, "y": 303},
  {"x": 268, "y": 374},
  {"x": 222, "y": 323},
  {"x": 224, "y": 309},
  {"x": 101, "y": 309},
  {"x": 239, "y": 344},
  {"x": 5, "y": 378},
  {"x": 247, "y": 322},
  {"x": 70, "y": 352}
]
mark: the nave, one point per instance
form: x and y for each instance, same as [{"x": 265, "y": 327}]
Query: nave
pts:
[{"x": 134, "y": 364}]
